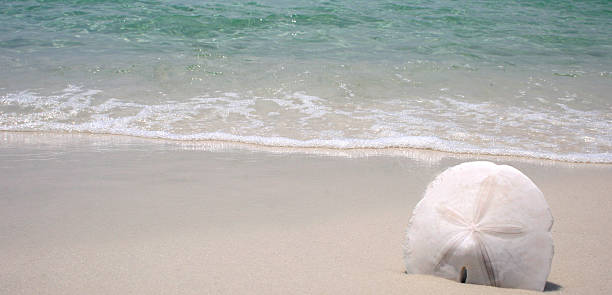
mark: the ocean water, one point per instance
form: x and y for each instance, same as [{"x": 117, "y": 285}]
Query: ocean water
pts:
[{"x": 526, "y": 78}]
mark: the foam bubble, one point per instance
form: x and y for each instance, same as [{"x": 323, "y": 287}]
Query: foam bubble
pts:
[{"x": 299, "y": 120}]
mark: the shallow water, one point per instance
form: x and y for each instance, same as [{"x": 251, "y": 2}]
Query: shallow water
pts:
[{"x": 512, "y": 78}]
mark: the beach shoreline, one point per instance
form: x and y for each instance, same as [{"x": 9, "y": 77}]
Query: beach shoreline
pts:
[
  {"x": 277, "y": 147},
  {"x": 103, "y": 214}
]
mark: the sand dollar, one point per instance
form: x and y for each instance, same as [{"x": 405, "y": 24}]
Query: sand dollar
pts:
[{"x": 482, "y": 223}]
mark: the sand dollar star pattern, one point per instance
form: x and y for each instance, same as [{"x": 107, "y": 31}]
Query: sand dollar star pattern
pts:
[{"x": 473, "y": 227}]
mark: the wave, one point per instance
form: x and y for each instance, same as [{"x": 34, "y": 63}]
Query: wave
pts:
[{"x": 298, "y": 120}]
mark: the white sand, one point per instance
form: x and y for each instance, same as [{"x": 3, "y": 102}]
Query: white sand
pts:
[{"x": 116, "y": 215}]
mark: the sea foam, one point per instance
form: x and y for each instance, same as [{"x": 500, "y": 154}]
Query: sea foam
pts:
[{"x": 447, "y": 123}]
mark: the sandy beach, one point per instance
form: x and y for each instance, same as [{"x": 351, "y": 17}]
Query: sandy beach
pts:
[
  {"x": 280, "y": 147},
  {"x": 85, "y": 214}
]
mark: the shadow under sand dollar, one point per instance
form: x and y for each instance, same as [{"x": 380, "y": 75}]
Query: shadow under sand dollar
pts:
[{"x": 550, "y": 286}]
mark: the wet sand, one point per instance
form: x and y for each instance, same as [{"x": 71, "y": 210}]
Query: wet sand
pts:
[{"x": 86, "y": 214}]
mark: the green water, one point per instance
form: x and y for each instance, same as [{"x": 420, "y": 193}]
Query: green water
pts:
[
  {"x": 503, "y": 77},
  {"x": 569, "y": 33}
]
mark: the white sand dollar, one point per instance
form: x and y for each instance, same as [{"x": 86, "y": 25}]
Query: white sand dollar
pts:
[{"x": 484, "y": 224}]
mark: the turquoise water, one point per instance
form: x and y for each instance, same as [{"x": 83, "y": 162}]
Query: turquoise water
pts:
[{"x": 529, "y": 78}]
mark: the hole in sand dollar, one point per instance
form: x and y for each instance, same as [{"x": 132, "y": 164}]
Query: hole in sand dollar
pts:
[
  {"x": 489, "y": 205},
  {"x": 463, "y": 275}
]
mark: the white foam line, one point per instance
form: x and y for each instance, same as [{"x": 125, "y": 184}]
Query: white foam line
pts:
[
  {"x": 412, "y": 142},
  {"x": 58, "y": 113}
]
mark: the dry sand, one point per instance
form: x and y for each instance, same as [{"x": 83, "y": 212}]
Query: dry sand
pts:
[{"x": 113, "y": 215}]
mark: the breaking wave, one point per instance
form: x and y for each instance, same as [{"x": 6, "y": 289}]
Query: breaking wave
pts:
[{"x": 551, "y": 130}]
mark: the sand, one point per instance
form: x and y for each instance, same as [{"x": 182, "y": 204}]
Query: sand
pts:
[{"x": 85, "y": 214}]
